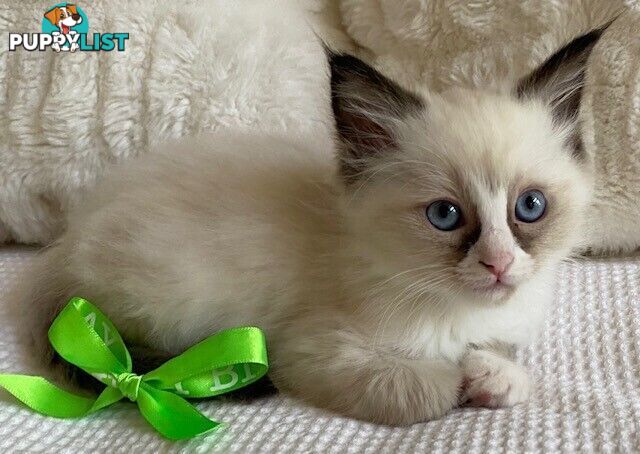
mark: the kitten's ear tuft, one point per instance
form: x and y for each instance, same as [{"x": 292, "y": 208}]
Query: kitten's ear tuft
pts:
[
  {"x": 367, "y": 107},
  {"x": 559, "y": 82}
]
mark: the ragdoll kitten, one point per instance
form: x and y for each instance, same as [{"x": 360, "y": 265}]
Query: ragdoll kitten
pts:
[{"x": 391, "y": 290}]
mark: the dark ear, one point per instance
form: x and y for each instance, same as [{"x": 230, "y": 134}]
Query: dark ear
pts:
[
  {"x": 367, "y": 107},
  {"x": 559, "y": 81}
]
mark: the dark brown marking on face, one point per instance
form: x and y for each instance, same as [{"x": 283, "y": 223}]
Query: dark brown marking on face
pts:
[
  {"x": 470, "y": 239},
  {"x": 541, "y": 236},
  {"x": 525, "y": 235}
]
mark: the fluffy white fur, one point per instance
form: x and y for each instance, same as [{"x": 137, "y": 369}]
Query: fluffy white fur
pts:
[
  {"x": 190, "y": 67},
  {"x": 611, "y": 114},
  {"x": 470, "y": 42},
  {"x": 368, "y": 310}
]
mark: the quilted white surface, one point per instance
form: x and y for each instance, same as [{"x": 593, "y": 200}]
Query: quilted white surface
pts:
[{"x": 586, "y": 398}]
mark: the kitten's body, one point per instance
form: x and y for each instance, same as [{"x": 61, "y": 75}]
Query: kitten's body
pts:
[
  {"x": 368, "y": 309},
  {"x": 171, "y": 262},
  {"x": 232, "y": 231}
]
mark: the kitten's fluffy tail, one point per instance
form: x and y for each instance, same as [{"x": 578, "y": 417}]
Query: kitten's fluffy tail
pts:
[{"x": 34, "y": 303}]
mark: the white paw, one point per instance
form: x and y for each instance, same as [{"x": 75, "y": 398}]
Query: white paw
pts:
[{"x": 493, "y": 381}]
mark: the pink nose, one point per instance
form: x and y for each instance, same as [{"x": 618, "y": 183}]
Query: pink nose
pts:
[{"x": 498, "y": 264}]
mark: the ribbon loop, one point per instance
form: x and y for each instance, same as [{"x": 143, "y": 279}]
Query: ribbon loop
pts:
[
  {"x": 129, "y": 385},
  {"x": 83, "y": 336}
]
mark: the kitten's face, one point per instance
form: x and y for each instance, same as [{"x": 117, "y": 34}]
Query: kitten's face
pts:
[
  {"x": 466, "y": 194},
  {"x": 481, "y": 195}
]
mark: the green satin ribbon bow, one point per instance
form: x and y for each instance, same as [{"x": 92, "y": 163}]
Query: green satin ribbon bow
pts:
[{"x": 83, "y": 336}]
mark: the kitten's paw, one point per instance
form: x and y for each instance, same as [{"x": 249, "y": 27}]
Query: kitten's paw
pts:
[{"x": 493, "y": 381}]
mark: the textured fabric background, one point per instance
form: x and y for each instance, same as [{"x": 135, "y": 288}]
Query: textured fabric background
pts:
[
  {"x": 586, "y": 395},
  {"x": 469, "y": 42},
  {"x": 189, "y": 67}
]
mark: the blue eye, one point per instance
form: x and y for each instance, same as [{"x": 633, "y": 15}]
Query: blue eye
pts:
[
  {"x": 530, "y": 206},
  {"x": 444, "y": 215}
]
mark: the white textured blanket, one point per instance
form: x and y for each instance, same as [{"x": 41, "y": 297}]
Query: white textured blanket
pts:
[{"x": 586, "y": 398}]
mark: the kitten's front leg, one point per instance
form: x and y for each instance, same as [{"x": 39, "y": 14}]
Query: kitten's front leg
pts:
[
  {"x": 492, "y": 379},
  {"x": 350, "y": 377}
]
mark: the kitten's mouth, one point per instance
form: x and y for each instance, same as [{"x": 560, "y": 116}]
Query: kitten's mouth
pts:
[{"x": 494, "y": 290}]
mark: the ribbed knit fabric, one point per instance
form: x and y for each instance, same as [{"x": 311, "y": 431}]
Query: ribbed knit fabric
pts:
[{"x": 586, "y": 395}]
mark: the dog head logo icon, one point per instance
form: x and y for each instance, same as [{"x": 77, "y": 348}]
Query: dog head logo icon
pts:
[{"x": 65, "y": 19}]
